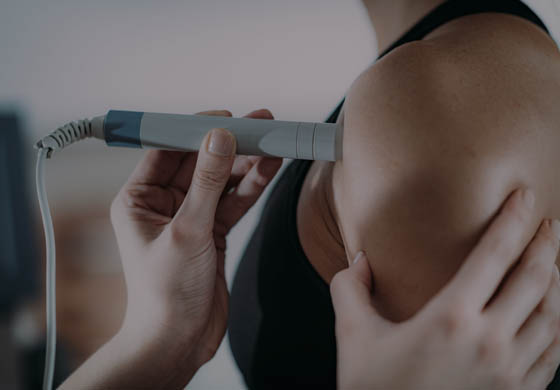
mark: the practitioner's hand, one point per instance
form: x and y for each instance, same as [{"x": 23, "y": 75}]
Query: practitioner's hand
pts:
[
  {"x": 171, "y": 219},
  {"x": 472, "y": 335}
]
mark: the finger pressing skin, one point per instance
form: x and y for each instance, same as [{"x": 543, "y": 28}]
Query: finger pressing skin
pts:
[
  {"x": 213, "y": 167},
  {"x": 351, "y": 296},
  {"x": 236, "y": 204},
  {"x": 528, "y": 283},
  {"x": 500, "y": 246},
  {"x": 540, "y": 330}
]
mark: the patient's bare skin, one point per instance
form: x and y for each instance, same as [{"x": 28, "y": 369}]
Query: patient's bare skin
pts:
[{"x": 437, "y": 134}]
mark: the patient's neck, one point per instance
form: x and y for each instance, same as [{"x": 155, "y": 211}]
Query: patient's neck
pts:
[
  {"x": 393, "y": 18},
  {"x": 317, "y": 223}
]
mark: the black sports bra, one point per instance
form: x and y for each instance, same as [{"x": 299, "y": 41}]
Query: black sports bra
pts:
[{"x": 281, "y": 327}]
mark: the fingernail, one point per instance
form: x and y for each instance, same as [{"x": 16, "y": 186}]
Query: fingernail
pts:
[
  {"x": 358, "y": 257},
  {"x": 556, "y": 272},
  {"x": 221, "y": 143},
  {"x": 555, "y": 226},
  {"x": 529, "y": 198}
]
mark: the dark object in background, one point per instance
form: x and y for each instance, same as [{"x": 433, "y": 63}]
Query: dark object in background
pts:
[{"x": 19, "y": 261}]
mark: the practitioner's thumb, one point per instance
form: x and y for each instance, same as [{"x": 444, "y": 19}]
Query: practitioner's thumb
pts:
[
  {"x": 351, "y": 293},
  {"x": 211, "y": 173}
]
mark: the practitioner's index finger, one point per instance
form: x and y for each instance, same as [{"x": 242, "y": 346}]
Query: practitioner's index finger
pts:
[
  {"x": 499, "y": 248},
  {"x": 156, "y": 167}
]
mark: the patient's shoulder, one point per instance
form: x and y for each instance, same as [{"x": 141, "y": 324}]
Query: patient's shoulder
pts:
[
  {"x": 471, "y": 111},
  {"x": 484, "y": 54},
  {"x": 483, "y": 85},
  {"x": 478, "y": 45}
]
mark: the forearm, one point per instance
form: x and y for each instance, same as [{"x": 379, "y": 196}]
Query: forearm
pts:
[{"x": 135, "y": 360}]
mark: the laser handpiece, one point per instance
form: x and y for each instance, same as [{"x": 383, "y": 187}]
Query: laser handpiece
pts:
[{"x": 260, "y": 137}]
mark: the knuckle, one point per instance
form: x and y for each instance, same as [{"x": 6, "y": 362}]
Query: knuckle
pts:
[
  {"x": 210, "y": 179},
  {"x": 176, "y": 233},
  {"x": 492, "y": 348},
  {"x": 456, "y": 320}
]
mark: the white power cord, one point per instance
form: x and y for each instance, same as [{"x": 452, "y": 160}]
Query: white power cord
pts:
[
  {"x": 51, "y": 269},
  {"x": 58, "y": 139}
]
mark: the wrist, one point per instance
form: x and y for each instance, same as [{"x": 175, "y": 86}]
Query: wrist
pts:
[
  {"x": 155, "y": 320},
  {"x": 136, "y": 357},
  {"x": 165, "y": 357}
]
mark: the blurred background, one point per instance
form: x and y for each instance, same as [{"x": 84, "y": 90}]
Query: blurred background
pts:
[{"x": 64, "y": 60}]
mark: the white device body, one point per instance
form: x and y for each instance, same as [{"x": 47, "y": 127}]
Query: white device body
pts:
[{"x": 260, "y": 137}]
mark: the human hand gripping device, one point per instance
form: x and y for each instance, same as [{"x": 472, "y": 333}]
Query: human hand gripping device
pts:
[{"x": 259, "y": 137}]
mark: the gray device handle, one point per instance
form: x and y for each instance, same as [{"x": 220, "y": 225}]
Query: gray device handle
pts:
[{"x": 260, "y": 137}]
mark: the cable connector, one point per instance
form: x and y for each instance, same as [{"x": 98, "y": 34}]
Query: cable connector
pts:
[{"x": 64, "y": 136}]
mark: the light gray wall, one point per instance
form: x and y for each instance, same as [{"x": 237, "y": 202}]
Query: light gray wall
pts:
[{"x": 64, "y": 59}]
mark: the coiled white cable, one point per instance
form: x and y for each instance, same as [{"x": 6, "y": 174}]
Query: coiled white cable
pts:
[
  {"x": 58, "y": 139},
  {"x": 66, "y": 135}
]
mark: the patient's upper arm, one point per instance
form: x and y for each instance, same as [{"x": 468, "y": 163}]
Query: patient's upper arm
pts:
[{"x": 431, "y": 150}]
